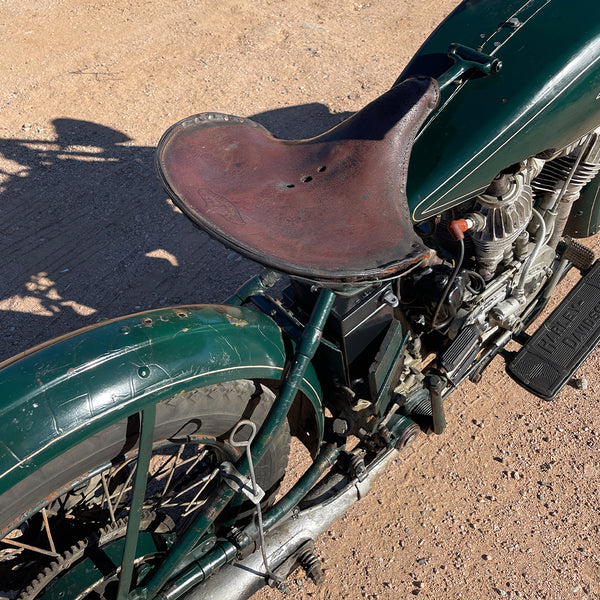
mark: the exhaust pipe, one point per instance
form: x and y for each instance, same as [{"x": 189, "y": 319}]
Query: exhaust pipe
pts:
[{"x": 240, "y": 580}]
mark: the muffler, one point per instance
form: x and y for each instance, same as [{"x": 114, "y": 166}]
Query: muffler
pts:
[{"x": 240, "y": 580}]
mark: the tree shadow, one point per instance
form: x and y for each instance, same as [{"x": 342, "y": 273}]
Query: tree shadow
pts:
[{"x": 87, "y": 232}]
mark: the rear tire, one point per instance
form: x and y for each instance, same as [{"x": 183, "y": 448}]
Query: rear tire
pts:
[{"x": 71, "y": 500}]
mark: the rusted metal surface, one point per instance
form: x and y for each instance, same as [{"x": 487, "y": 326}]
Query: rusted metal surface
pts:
[{"x": 331, "y": 208}]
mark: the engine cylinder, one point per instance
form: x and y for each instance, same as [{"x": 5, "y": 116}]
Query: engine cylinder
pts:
[
  {"x": 565, "y": 177},
  {"x": 506, "y": 217}
]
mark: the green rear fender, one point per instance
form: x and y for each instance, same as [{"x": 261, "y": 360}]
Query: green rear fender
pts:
[{"x": 56, "y": 395}]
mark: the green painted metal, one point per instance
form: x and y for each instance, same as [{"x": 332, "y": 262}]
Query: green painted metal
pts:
[
  {"x": 197, "y": 572},
  {"x": 206, "y": 565},
  {"x": 222, "y": 495},
  {"x": 56, "y": 395},
  {"x": 86, "y": 575},
  {"x": 311, "y": 338},
  {"x": 546, "y": 95},
  {"x": 137, "y": 501},
  {"x": 466, "y": 63},
  {"x": 257, "y": 285},
  {"x": 325, "y": 459}
]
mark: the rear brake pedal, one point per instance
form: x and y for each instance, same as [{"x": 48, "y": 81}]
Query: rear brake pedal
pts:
[{"x": 563, "y": 341}]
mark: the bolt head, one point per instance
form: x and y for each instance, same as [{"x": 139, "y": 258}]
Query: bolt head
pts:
[{"x": 341, "y": 426}]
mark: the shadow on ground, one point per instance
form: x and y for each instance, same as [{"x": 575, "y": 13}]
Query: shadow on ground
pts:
[{"x": 87, "y": 233}]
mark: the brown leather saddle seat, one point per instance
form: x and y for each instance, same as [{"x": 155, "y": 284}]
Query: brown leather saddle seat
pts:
[{"x": 331, "y": 208}]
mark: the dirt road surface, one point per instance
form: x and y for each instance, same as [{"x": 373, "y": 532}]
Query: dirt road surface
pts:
[{"x": 505, "y": 503}]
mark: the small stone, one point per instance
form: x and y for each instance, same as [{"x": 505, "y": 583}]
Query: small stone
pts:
[
  {"x": 499, "y": 592},
  {"x": 516, "y": 475},
  {"x": 486, "y": 557},
  {"x": 580, "y": 383},
  {"x": 419, "y": 584},
  {"x": 421, "y": 561},
  {"x": 576, "y": 589}
]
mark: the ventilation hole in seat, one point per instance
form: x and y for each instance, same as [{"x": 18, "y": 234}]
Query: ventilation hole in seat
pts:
[
  {"x": 290, "y": 186},
  {"x": 321, "y": 169},
  {"x": 306, "y": 179}
]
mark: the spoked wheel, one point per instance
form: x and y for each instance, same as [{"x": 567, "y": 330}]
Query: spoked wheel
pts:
[{"x": 64, "y": 526}]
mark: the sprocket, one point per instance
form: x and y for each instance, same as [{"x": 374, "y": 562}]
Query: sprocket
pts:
[{"x": 90, "y": 568}]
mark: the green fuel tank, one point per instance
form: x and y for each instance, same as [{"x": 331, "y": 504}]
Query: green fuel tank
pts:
[{"x": 545, "y": 95}]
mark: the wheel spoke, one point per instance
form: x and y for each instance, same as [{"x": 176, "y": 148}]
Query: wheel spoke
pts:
[
  {"x": 190, "y": 505},
  {"x": 108, "y": 500},
  {"x": 176, "y": 459},
  {"x": 196, "y": 461},
  {"x": 47, "y": 528},
  {"x": 186, "y": 490},
  {"x": 170, "y": 462},
  {"x": 126, "y": 487},
  {"x": 12, "y": 542},
  {"x": 94, "y": 515}
]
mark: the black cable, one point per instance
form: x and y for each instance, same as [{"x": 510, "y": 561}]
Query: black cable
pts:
[
  {"x": 451, "y": 281},
  {"x": 479, "y": 278}
]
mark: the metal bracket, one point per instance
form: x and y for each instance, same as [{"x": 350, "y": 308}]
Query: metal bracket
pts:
[
  {"x": 238, "y": 483},
  {"x": 468, "y": 60},
  {"x": 250, "y": 488}
]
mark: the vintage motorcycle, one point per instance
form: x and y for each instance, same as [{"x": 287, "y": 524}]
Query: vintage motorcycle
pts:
[{"x": 142, "y": 457}]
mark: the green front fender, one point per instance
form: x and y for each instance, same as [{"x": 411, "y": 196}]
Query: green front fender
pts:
[{"x": 56, "y": 395}]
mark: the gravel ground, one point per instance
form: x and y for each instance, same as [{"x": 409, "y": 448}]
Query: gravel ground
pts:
[{"x": 505, "y": 503}]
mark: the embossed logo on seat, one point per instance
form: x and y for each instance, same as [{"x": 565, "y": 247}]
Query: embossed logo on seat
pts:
[{"x": 215, "y": 203}]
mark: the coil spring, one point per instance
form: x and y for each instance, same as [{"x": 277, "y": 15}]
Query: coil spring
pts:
[
  {"x": 311, "y": 565},
  {"x": 357, "y": 464}
]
